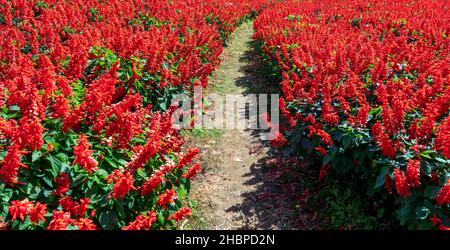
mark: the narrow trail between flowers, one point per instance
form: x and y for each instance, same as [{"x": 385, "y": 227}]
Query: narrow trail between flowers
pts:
[{"x": 232, "y": 192}]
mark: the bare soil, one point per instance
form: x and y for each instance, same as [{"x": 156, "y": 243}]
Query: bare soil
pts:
[{"x": 233, "y": 191}]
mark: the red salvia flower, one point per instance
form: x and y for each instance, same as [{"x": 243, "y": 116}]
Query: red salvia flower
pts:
[
  {"x": 443, "y": 137},
  {"x": 60, "y": 107},
  {"x": 11, "y": 164},
  {"x": 321, "y": 150},
  {"x": 123, "y": 182},
  {"x": 435, "y": 220},
  {"x": 68, "y": 204},
  {"x": 85, "y": 224},
  {"x": 178, "y": 215},
  {"x": 363, "y": 112},
  {"x": 165, "y": 198},
  {"x": 60, "y": 220},
  {"x": 141, "y": 222},
  {"x": 151, "y": 183},
  {"x": 19, "y": 209},
  {"x": 401, "y": 183},
  {"x": 80, "y": 209},
  {"x": 83, "y": 154},
  {"x": 413, "y": 172},
  {"x": 72, "y": 120},
  {"x": 147, "y": 151},
  {"x": 443, "y": 197},
  {"x": 387, "y": 183},
  {"x": 37, "y": 212},
  {"x": 278, "y": 141},
  {"x": 187, "y": 157},
  {"x": 192, "y": 171},
  {"x": 383, "y": 140},
  {"x": 62, "y": 182},
  {"x": 324, "y": 171},
  {"x": 30, "y": 133},
  {"x": 74, "y": 207},
  {"x": 77, "y": 64}
]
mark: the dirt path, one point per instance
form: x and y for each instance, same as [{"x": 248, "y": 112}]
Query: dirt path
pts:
[{"x": 229, "y": 194}]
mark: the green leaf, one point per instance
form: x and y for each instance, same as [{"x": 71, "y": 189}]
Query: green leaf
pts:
[
  {"x": 63, "y": 157},
  {"x": 381, "y": 178},
  {"x": 164, "y": 65},
  {"x": 426, "y": 153},
  {"x": 141, "y": 173},
  {"x": 25, "y": 224},
  {"x": 120, "y": 209},
  {"x": 47, "y": 181},
  {"x": 3, "y": 210},
  {"x": 160, "y": 218},
  {"x": 6, "y": 195},
  {"x": 422, "y": 212},
  {"x": 347, "y": 141},
  {"x": 327, "y": 159},
  {"x": 71, "y": 227},
  {"x": 431, "y": 191},
  {"x": 426, "y": 168},
  {"x": 108, "y": 220},
  {"x": 35, "y": 155},
  {"x": 402, "y": 214},
  {"x": 181, "y": 193},
  {"x": 131, "y": 203},
  {"x": 64, "y": 168},
  {"x": 102, "y": 173},
  {"x": 111, "y": 162},
  {"x": 441, "y": 160},
  {"x": 375, "y": 111},
  {"x": 56, "y": 165}
]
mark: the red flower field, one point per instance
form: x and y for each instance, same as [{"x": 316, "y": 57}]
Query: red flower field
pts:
[
  {"x": 366, "y": 90},
  {"x": 86, "y": 134},
  {"x": 84, "y": 140}
]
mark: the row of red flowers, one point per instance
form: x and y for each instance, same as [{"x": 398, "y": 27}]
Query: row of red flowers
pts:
[
  {"x": 366, "y": 90},
  {"x": 84, "y": 143}
]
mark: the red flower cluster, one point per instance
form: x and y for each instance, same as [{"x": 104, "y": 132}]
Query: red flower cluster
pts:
[
  {"x": 142, "y": 221},
  {"x": 165, "y": 197},
  {"x": 178, "y": 215},
  {"x": 63, "y": 183},
  {"x": 401, "y": 183},
  {"x": 192, "y": 171},
  {"x": 83, "y": 154},
  {"x": 324, "y": 171},
  {"x": 187, "y": 157},
  {"x": 11, "y": 164},
  {"x": 74, "y": 207},
  {"x": 123, "y": 182},
  {"x": 20, "y": 209},
  {"x": 443, "y": 137},
  {"x": 383, "y": 140},
  {"x": 61, "y": 220},
  {"x": 413, "y": 173},
  {"x": 360, "y": 56},
  {"x": 85, "y": 224},
  {"x": 443, "y": 197}
]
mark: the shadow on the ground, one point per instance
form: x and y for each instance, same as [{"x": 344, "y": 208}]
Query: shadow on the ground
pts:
[
  {"x": 257, "y": 79},
  {"x": 263, "y": 205},
  {"x": 268, "y": 205}
]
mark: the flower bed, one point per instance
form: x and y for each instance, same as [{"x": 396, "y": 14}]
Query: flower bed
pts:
[
  {"x": 366, "y": 94},
  {"x": 86, "y": 137}
]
